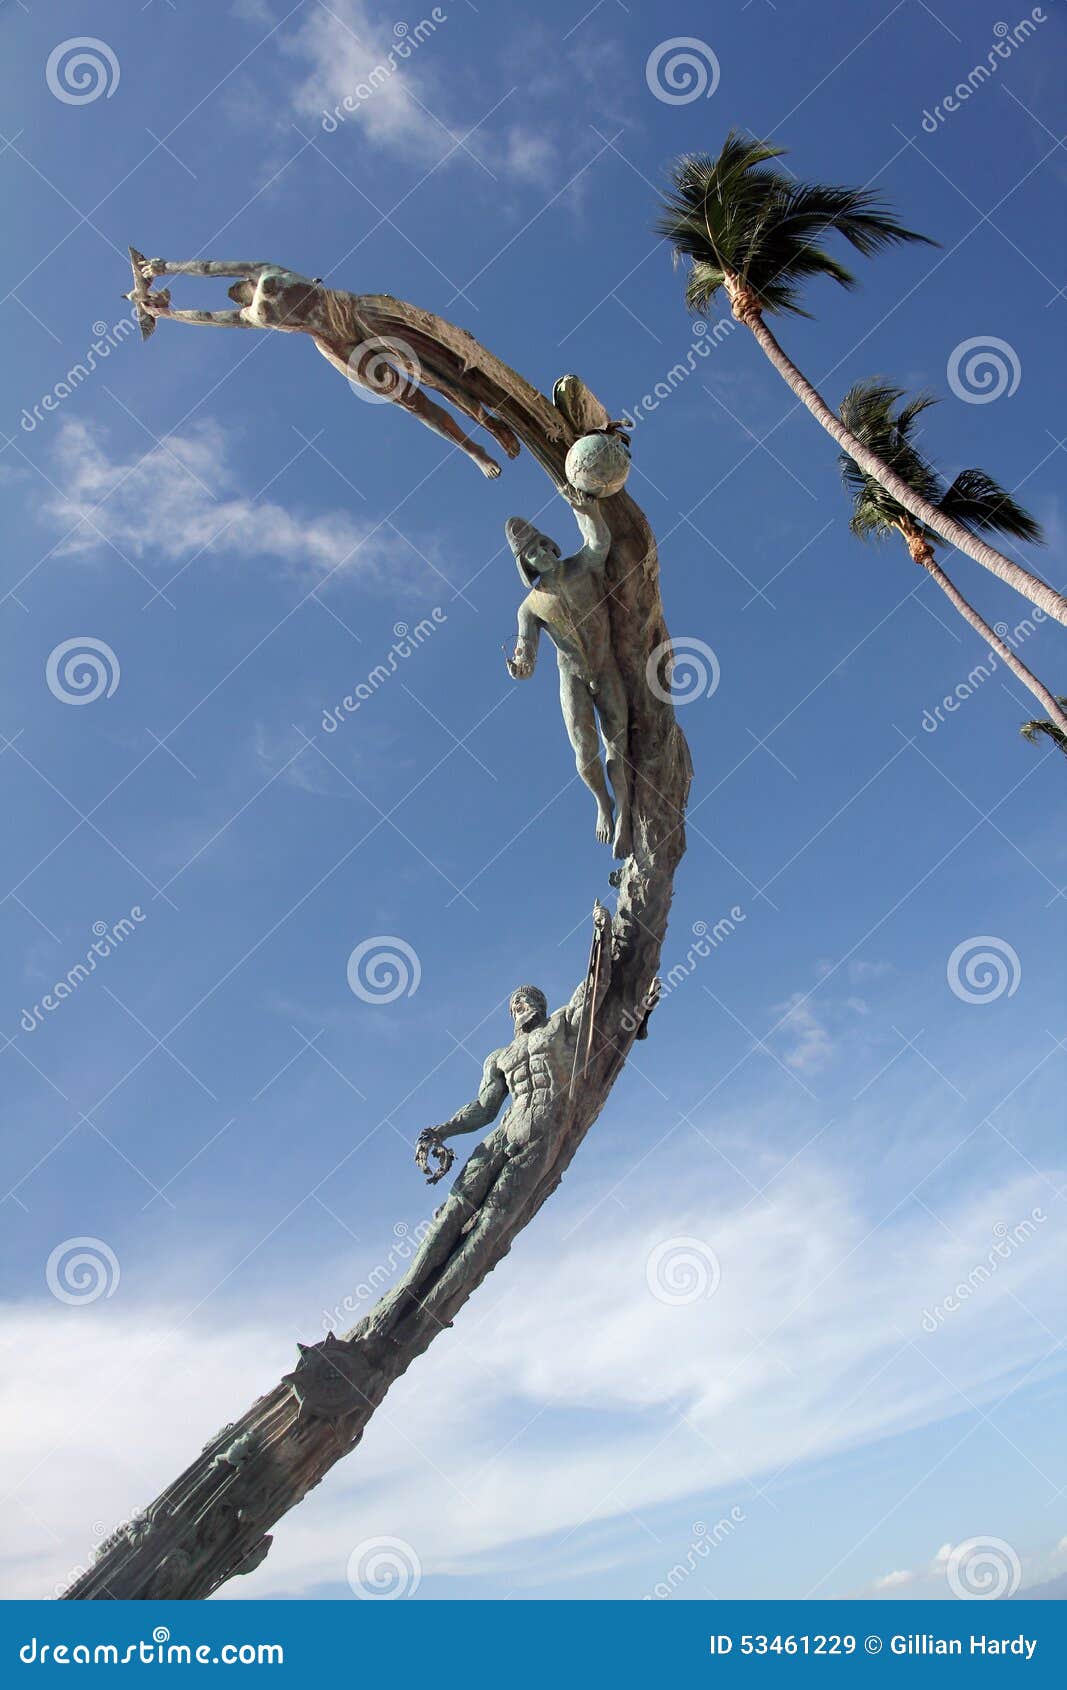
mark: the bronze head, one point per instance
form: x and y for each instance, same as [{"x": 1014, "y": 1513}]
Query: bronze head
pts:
[
  {"x": 276, "y": 299},
  {"x": 534, "y": 552},
  {"x": 528, "y": 1007}
]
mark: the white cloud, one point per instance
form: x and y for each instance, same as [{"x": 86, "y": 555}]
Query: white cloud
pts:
[
  {"x": 290, "y": 757},
  {"x": 530, "y": 154},
  {"x": 861, "y": 972},
  {"x": 351, "y": 55},
  {"x": 811, "y": 1046},
  {"x": 253, "y": 11},
  {"x": 179, "y": 500},
  {"x": 933, "y": 1576},
  {"x": 566, "y": 1394},
  {"x": 356, "y": 83},
  {"x": 890, "y": 1581}
]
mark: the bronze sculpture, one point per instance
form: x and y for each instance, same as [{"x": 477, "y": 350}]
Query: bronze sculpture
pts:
[
  {"x": 536, "y": 1071},
  {"x": 568, "y": 601},
  {"x": 214, "y": 1520},
  {"x": 344, "y": 328}
]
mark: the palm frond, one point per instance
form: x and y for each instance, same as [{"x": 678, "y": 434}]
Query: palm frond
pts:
[
  {"x": 909, "y": 413},
  {"x": 701, "y": 285},
  {"x": 978, "y": 501},
  {"x": 740, "y": 214},
  {"x": 883, "y": 418},
  {"x": 873, "y": 411},
  {"x": 1033, "y": 730},
  {"x": 809, "y": 209}
]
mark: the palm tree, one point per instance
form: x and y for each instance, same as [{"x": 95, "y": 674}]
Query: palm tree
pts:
[
  {"x": 744, "y": 226},
  {"x": 1033, "y": 730},
  {"x": 870, "y": 415}
]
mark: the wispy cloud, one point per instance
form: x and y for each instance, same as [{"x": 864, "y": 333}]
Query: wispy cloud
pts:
[
  {"x": 931, "y": 1576},
  {"x": 893, "y": 1581},
  {"x": 366, "y": 75},
  {"x": 181, "y": 499},
  {"x": 480, "y": 1451},
  {"x": 810, "y": 1043},
  {"x": 290, "y": 757},
  {"x": 352, "y": 63},
  {"x": 530, "y": 154}
]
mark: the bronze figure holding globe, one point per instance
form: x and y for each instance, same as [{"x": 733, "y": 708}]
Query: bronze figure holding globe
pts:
[
  {"x": 567, "y": 600},
  {"x": 567, "y": 597}
]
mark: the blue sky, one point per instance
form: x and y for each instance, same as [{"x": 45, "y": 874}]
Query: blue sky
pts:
[{"x": 845, "y": 1134}]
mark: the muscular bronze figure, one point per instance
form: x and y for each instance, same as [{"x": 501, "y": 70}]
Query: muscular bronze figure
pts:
[
  {"x": 534, "y": 1075},
  {"x": 568, "y": 601}
]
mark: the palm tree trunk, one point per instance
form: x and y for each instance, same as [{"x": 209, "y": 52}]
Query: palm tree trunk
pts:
[
  {"x": 924, "y": 557},
  {"x": 1013, "y": 574}
]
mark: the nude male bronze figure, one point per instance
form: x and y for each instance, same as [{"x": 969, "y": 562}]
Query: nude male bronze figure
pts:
[
  {"x": 534, "y": 1074},
  {"x": 568, "y": 600}
]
